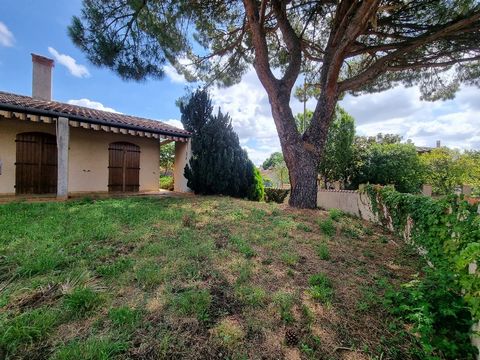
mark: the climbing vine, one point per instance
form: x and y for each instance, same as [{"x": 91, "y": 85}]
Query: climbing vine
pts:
[{"x": 446, "y": 232}]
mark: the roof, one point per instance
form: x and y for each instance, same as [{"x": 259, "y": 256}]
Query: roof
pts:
[
  {"x": 423, "y": 149},
  {"x": 21, "y": 103}
]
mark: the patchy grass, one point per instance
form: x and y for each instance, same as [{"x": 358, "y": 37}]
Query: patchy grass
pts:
[
  {"x": 196, "y": 278},
  {"x": 321, "y": 288}
]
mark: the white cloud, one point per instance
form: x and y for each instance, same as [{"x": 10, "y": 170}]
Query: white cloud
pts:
[
  {"x": 247, "y": 103},
  {"x": 92, "y": 105},
  {"x": 173, "y": 75},
  {"x": 399, "y": 110},
  {"x": 456, "y": 123},
  {"x": 174, "y": 122},
  {"x": 70, "y": 63},
  {"x": 6, "y": 36}
]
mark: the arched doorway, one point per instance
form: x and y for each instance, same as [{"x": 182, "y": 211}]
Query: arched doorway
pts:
[
  {"x": 36, "y": 163},
  {"x": 123, "y": 167}
]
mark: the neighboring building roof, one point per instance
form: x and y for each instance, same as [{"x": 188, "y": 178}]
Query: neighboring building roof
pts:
[
  {"x": 423, "y": 149},
  {"x": 20, "y": 103}
]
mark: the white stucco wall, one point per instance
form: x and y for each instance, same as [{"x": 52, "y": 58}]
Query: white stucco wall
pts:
[
  {"x": 88, "y": 170},
  {"x": 88, "y": 157},
  {"x": 349, "y": 201}
]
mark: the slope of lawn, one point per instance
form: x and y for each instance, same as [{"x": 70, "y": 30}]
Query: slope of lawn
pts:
[{"x": 196, "y": 278}]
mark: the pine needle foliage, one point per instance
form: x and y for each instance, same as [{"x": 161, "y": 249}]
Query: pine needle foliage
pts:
[{"x": 218, "y": 165}]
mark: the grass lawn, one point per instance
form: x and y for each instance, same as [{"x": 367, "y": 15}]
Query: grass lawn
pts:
[{"x": 196, "y": 278}]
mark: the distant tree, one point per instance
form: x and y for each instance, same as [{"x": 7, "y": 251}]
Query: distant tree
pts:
[
  {"x": 386, "y": 164},
  {"x": 274, "y": 159},
  {"x": 444, "y": 169},
  {"x": 302, "y": 120},
  {"x": 471, "y": 164},
  {"x": 337, "y": 162},
  {"x": 218, "y": 165},
  {"x": 276, "y": 163},
  {"x": 351, "y": 46},
  {"x": 281, "y": 173},
  {"x": 167, "y": 157}
]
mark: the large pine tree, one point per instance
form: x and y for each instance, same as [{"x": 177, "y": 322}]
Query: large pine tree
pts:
[{"x": 218, "y": 165}]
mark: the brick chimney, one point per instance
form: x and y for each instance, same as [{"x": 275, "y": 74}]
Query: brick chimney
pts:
[{"x": 42, "y": 77}]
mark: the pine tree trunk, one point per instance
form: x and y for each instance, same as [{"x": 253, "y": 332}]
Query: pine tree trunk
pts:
[
  {"x": 303, "y": 181},
  {"x": 301, "y": 163}
]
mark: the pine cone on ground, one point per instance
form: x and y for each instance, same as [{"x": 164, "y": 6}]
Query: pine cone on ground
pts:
[{"x": 291, "y": 337}]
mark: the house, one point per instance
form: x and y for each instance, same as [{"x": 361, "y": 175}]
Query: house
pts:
[
  {"x": 427, "y": 149},
  {"x": 48, "y": 147}
]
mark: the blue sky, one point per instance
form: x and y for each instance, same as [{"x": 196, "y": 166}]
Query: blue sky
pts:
[{"x": 40, "y": 27}]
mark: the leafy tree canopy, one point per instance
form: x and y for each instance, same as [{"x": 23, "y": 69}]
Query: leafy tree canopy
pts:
[
  {"x": 388, "y": 164},
  {"x": 274, "y": 159},
  {"x": 167, "y": 157},
  {"x": 338, "y": 158},
  {"x": 446, "y": 168}
]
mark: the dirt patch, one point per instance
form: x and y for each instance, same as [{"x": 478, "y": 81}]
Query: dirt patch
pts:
[
  {"x": 43, "y": 296},
  {"x": 224, "y": 301}
]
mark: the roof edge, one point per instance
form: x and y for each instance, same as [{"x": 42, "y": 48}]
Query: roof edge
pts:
[{"x": 41, "y": 112}]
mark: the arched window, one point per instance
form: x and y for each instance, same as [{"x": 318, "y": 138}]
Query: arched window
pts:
[
  {"x": 123, "y": 167},
  {"x": 36, "y": 163}
]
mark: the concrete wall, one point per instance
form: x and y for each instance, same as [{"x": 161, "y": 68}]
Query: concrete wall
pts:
[
  {"x": 349, "y": 201},
  {"x": 88, "y": 157},
  {"x": 183, "y": 153}
]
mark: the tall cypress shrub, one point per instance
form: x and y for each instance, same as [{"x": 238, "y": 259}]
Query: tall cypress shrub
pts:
[{"x": 218, "y": 165}]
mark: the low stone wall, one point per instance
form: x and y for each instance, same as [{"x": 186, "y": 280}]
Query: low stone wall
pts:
[{"x": 351, "y": 202}]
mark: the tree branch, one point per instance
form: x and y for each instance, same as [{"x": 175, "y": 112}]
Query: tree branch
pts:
[
  {"x": 293, "y": 45},
  {"x": 383, "y": 63}
]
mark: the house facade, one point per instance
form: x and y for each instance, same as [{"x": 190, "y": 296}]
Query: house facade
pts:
[{"x": 48, "y": 147}]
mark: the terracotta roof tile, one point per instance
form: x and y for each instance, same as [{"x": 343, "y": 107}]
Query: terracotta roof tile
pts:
[{"x": 10, "y": 101}]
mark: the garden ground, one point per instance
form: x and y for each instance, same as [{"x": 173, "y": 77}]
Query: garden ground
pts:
[{"x": 201, "y": 277}]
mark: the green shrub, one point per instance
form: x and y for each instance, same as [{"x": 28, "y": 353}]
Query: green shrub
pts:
[
  {"x": 351, "y": 232},
  {"x": 327, "y": 226},
  {"x": 442, "y": 303},
  {"x": 82, "y": 300},
  {"x": 304, "y": 227},
  {"x": 218, "y": 164},
  {"x": 438, "y": 313},
  {"x": 166, "y": 182},
  {"x": 275, "y": 195},
  {"x": 257, "y": 189}
]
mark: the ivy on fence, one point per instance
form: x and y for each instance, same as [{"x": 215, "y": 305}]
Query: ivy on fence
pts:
[{"x": 447, "y": 233}]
